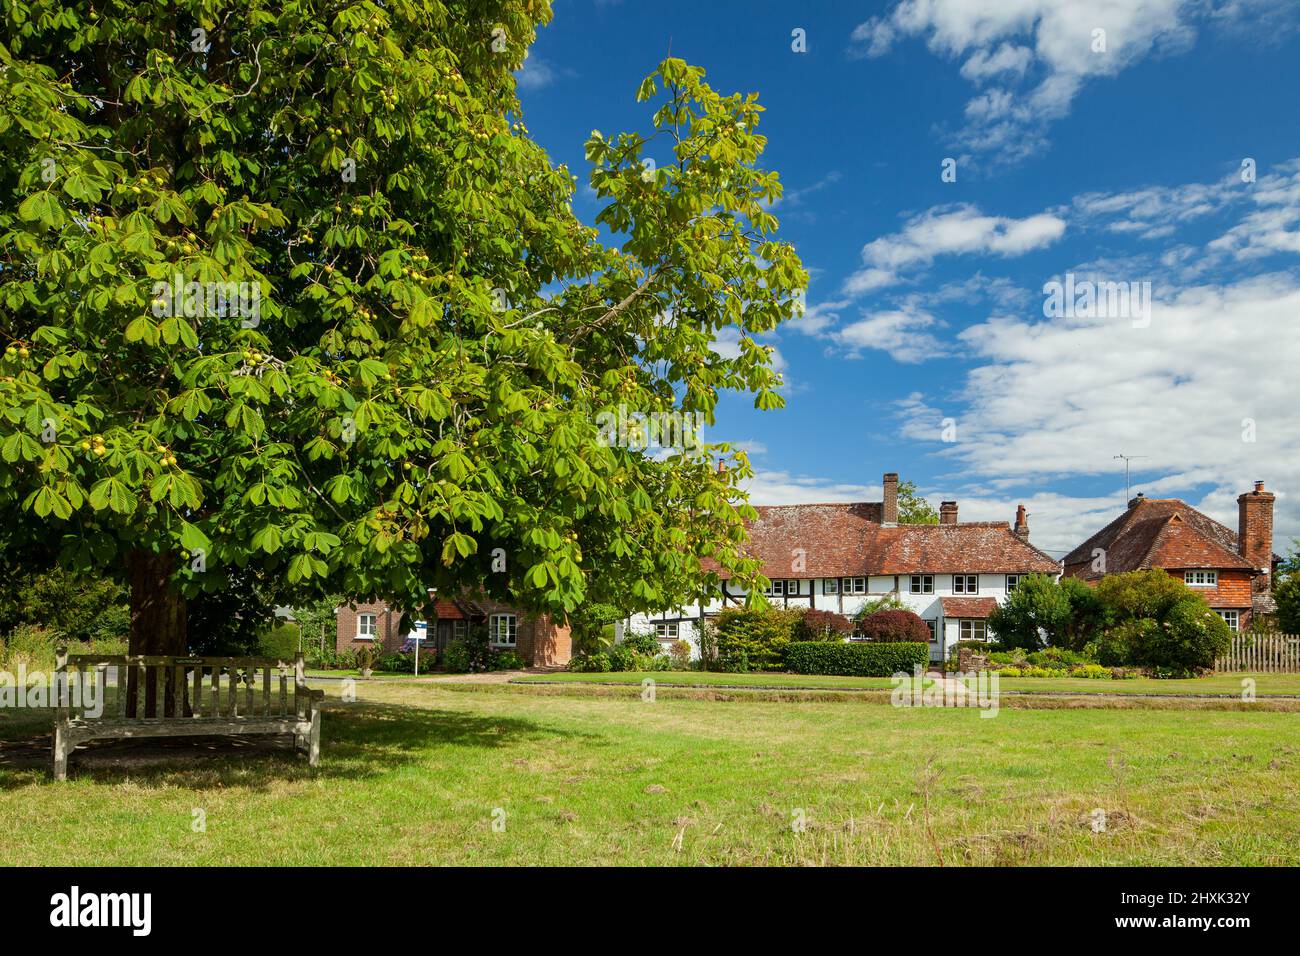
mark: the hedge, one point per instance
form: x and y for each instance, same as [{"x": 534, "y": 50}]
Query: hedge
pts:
[{"x": 855, "y": 660}]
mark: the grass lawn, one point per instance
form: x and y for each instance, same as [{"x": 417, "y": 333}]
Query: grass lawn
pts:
[
  {"x": 413, "y": 774},
  {"x": 1228, "y": 685},
  {"x": 711, "y": 679},
  {"x": 340, "y": 674}
]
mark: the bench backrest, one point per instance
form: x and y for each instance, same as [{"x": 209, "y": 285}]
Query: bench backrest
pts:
[{"x": 180, "y": 688}]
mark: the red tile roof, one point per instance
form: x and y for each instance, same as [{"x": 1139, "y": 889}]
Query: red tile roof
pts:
[
  {"x": 458, "y": 610},
  {"x": 1160, "y": 533},
  {"x": 848, "y": 540},
  {"x": 968, "y": 606}
]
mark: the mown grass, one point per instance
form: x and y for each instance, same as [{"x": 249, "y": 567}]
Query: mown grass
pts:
[
  {"x": 412, "y": 774},
  {"x": 712, "y": 679},
  {"x": 1229, "y": 685}
]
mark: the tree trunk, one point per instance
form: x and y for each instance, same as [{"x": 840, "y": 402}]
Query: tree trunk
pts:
[{"x": 157, "y": 628}]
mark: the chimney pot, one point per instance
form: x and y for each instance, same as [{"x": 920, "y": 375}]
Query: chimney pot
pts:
[{"x": 1259, "y": 486}]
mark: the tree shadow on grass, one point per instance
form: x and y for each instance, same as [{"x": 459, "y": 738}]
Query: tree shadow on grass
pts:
[{"x": 358, "y": 741}]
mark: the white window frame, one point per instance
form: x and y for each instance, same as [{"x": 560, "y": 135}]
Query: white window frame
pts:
[
  {"x": 1201, "y": 579},
  {"x": 667, "y": 630},
  {"x": 1013, "y": 582},
  {"x": 921, "y": 584},
  {"x": 365, "y": 633},
  {"x": 966, "y": 624},
  {"x": 775, "y": 589},
  {"x": 791, "y": 587},
  {"x": 960, "y": 582},
  {"x": 830, "y": 586},
  {"x": 459, "y": 629},
  {"x": 511, "y": 629},
  {"x": 853, "y": 585},
  {"x": 1233, "y": 621}
]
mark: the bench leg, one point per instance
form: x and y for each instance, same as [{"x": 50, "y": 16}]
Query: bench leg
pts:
[
  {"x": 313, "y": 742},
  {"x": 60, "y": 753}
]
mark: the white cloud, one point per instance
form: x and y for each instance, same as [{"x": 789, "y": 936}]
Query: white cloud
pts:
[
  {"x": 1054, "y": 400},
  {"x": 727, "y": 344},
  {"x": 949, "y": 230},
  {"x": 536, "y": 74},
  {"x": 899, "y": 333},
  {"x": 1041, "y": 52},
  {"x": 769, "y": 487}
]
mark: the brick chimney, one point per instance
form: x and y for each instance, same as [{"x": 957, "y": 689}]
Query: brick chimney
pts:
[
  {"x": 1021, "y": 529},
  {"x": 1255, "y": 528},
  {"x": 947, "y": 512},
  {"x": 889, "y": 513}
]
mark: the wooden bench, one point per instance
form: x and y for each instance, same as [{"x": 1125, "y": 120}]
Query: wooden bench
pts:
[{"x": 183, "y": 696}]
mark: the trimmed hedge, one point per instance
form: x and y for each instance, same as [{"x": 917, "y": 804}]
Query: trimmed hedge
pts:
[{"x": 856, "y": 660}]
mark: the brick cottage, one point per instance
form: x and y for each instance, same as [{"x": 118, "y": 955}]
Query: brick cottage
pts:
[
  {"x": 538, "y": 640},
  {"x": 1233, "y": 570}
]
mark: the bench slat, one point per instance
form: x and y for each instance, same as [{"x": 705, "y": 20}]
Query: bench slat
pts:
[{"x": 266, "y": 692}]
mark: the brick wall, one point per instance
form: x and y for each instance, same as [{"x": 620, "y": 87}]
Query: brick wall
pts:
[
  {"x": 540, "y": 642},
  {"x": 1233, "y": 589},
  {"x": 388, "y": 624}
]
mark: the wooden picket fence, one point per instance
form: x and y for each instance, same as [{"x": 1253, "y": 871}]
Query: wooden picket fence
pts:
[{"x": 1262, "y": 654}]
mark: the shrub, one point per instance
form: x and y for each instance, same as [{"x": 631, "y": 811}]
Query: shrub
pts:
[
  {"x": 592, "y": 627},
  {"x": 330, "y": 659},
  {"x": 621, "y": 658},
  {"x": 280, "y": 642},
  {"x": 1059, "y": 657},
  {"x": 469, "y": 655},
  {"x": 591, "y": 663},
  {"x": 680, "y": 655},
  {"x": 368, "y": 655},
  {"x": 733, "y": 662},
  {"x": 1156, "y": 621},
  {"x": 755, "y": 638},
  {"x": 507, "y": 661},
  {"x": 889, "y": 602},
  {"x": 1287, "y": 596},
  {"x": 33, "y": 646},
  {"x": 641, "y": 642},
  {"x": 405, "y": 663},
  {"x": 896, "y": 626},
  {"x": 1091, "y": 671},
  {"x": 1009, "y": 671},
  {"x": 817, "y": 625},
  {"x": 644, "y": 662},
  {"x": 856, "y": 660}
]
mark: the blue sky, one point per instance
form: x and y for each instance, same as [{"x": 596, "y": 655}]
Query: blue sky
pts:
[{"x": 926, "y": 350}]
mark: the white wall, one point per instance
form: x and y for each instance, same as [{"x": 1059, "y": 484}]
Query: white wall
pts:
[{"x": 926, "y": 606}]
